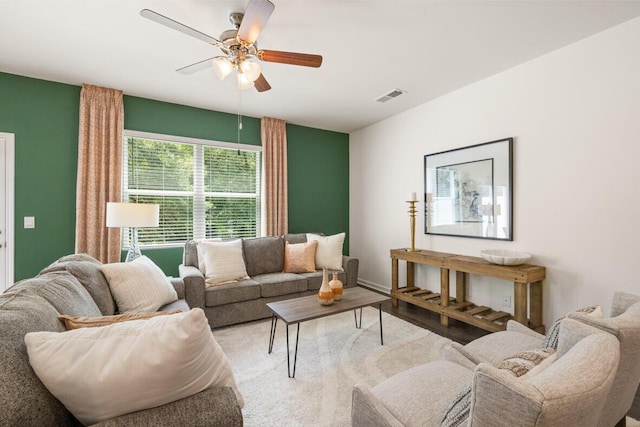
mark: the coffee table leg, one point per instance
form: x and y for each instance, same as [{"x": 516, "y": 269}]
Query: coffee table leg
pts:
[
  {"x": 355, "y": 316},
  {"x": 295, "y": 356},
  {"x": 380, "y": 321},
  {"x": 272, "y": 335}
]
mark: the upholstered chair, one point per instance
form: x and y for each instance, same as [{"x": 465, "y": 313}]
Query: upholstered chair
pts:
[
  {"x": 624, "y": 324},
  {"x": 570, "y": 391}
]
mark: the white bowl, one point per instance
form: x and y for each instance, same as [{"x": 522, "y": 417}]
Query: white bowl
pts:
[{"x": 505, "y": 257}]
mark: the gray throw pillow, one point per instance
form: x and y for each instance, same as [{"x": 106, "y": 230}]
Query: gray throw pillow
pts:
[{"x": 551, "y": 339}]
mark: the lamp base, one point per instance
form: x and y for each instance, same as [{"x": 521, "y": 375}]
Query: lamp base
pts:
[
  {"x": 131, "y": 255},
  {"x": 134, "y": 249}
]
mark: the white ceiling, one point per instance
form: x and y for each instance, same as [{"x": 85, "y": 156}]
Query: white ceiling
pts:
[{"x": 427, "y": 48}]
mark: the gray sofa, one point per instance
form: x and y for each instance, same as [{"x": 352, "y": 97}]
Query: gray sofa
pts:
[
  {"x": 74, "y": 285},
  {"x": 246, "y": 300}
]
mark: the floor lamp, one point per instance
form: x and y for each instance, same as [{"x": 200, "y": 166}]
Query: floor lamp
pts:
[{"x": 132, "y": 216}]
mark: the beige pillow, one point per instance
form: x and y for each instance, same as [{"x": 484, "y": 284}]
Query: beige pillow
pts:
[
  {"x": 300, "y": 257},
  {"x": 200, "y": 251},
  {"x": 329, "y": 251},
  {"x": 75, "y": 322},
  {"x": 102, "y": 373},
  {"x": 523, "y": 363},
  {"x": 139, "y": 286},
  {"x": 553, "y": 333},
  {"x": 224, "y": 262}
]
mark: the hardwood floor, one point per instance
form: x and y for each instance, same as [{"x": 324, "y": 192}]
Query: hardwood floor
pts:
[{"x": 459, "y": 332}]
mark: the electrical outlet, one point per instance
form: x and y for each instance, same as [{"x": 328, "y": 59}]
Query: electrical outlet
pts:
[{"x": 506, "y": 301}]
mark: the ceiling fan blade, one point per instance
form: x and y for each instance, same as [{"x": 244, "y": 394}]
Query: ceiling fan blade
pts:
[
  {"x": 168, "y": 22},
  {"x": 262, "y": 85},
  {"x": 304, "y": 59},
  {"x": 198, "y": 66},
  {"x": 256, "y": 16}
]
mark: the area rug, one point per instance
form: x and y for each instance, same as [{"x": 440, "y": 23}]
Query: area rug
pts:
[{"x": 332, "y": 356}]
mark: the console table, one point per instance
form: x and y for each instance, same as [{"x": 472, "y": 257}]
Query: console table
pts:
[{"x": 527, "y": 282}]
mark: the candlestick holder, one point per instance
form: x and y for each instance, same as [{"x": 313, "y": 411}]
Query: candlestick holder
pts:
[{"x": 412, "y": 222}]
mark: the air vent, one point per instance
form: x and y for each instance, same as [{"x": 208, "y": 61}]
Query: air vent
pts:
[{"x": 389, "y": 96}]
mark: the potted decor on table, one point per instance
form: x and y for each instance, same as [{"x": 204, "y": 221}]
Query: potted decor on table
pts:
[{"x": 325, "y": 294}]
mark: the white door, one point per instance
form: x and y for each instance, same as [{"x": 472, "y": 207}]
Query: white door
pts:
[{"x": 7, "y": 141}]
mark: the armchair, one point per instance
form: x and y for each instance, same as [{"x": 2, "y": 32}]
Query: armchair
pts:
[
  {"x": 624, "y": 324},
  {"x": 571, "y": 391}
]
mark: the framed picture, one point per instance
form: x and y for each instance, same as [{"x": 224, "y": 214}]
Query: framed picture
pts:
[{"x": 469, "y": 191}]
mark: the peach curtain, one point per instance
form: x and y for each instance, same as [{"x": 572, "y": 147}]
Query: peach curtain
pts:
[
  {"x": 274, "y": 147},
  {"x": 99, "y": 171}
]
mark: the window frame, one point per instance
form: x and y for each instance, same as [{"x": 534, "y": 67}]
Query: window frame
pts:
[{"x": 198, "y": 194}]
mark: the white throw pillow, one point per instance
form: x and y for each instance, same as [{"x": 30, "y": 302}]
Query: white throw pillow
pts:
[
  {"x": 101, "y": 373},
  {"x": 329, "y": 251},
  {"x": 139, "y": 286},
  {"x": 224, "y": 262},
  {"x": 200, "y": 251}
]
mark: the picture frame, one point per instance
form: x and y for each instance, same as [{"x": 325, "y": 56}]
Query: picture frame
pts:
[{"x": 468, "y": 192}]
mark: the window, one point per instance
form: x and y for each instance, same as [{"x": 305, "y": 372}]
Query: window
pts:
[{"x": 205, "y": 189}]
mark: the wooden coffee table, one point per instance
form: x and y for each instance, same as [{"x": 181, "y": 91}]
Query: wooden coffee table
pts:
[{"x": 298, "y": 310}]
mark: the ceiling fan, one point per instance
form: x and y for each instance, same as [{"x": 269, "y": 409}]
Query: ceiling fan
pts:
[{"x": 239, "y": 46}]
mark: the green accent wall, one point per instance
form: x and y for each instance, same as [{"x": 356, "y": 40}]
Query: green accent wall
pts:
[
  {"x": 147, "y": 115},
  {"x": 43, "y": 115},
  {"x": 318, "y": 181},
  {"x": 44, "y": 118}
]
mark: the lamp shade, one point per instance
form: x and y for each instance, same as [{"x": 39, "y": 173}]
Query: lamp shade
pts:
[
  {"x": 222, "y": 67},
  {"x": 132, "y": 214},
  {"x": 244, "y": 82},
  {"x": 250, "y": 69}
]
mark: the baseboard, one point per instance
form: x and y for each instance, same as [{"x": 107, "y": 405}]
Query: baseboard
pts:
[{"x": 374, "y": 286}]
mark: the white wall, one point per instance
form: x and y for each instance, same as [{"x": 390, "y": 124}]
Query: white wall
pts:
[{"x": 575, "y": 117}]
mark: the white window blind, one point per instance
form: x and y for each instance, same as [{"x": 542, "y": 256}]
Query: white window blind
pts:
[{"x": 205, "y": 189}]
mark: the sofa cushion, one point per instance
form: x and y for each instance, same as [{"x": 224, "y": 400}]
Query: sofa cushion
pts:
[
  {"x": 190, "y": 256},
  {"x": 101, "y": 373},
  {"x": 493, "y": 348},
  {"x": 139, "y": 286},
  {"x": 329, "y": 251},
  {"x": 224, "y": 262},
  {"x": 422, "y": 395},
  {"x": 297, "y": 237},
  {"x": 22, "y": 312},
  {"x": 314, "y": 280},
  {"x": 63, "y": 292},
  {"x": 178, "y": 305},
  {"x": 300, "y": 257},
  {"x": 77, "y": 322},
  {"x": 243, "y": 290},
  {"x": 525, "y": 363},
  {"x": 87, "y": 270},
  {"x": 200, "y": 252},
  {"x": 551, "y": 339},
  {"x": 276, "y": 284},
  {"x": 263, "y": 255}
]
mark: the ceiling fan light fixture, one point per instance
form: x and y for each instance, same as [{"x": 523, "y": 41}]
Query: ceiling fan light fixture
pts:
[
  {"x": 244, "y": 82},
  {"x": 222, "y": 67},
  {"x": 250, "y": 69}
]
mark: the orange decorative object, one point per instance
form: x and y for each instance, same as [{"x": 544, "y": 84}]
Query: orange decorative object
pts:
[
  {"x": 325, "y": 294},
  {"x": 336, "y": 287}
]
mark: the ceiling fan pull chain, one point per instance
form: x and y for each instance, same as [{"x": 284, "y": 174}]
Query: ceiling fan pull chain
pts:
[{"x": 239, "y": 120}]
